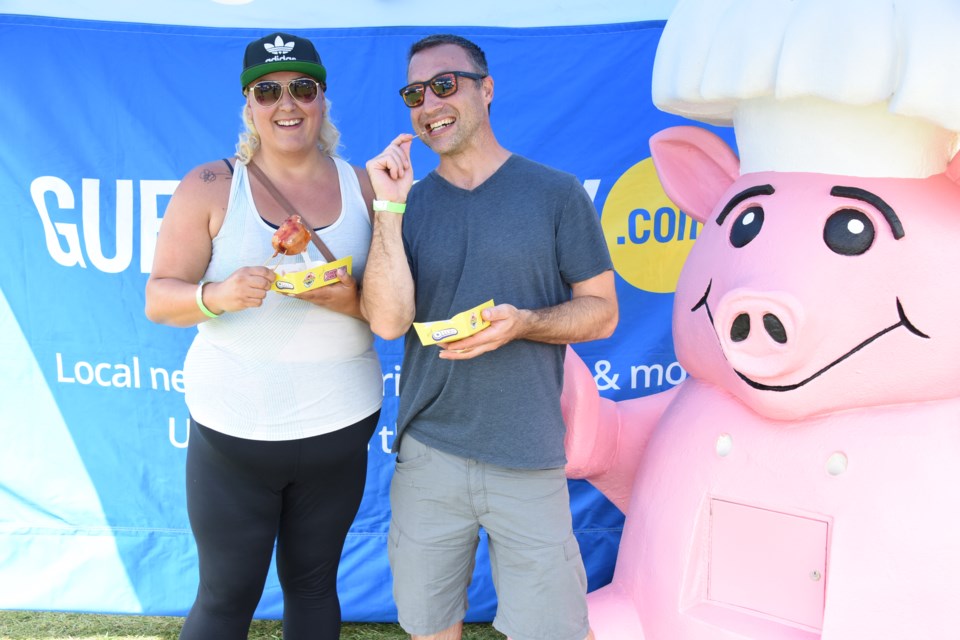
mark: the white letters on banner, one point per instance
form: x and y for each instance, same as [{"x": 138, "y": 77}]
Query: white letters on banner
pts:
[
  {"x": 105, "y": 374},
  {"x": 121, "y": 375},
  {"x": 642, "y": 376},
  {"x": 93, "y": 233},
  {"x": 179, "y": 443}
]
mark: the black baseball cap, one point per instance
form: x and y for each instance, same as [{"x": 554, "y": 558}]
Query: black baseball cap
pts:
[{"x": 281, "y": 52}]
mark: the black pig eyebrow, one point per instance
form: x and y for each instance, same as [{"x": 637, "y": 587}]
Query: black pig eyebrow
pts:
[
  {"x": 876, "y": 202},
  {"x": 749, "y": 192}
]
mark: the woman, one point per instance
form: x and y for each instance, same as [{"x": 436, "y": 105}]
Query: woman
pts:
[{"x": 284, "y": 392}]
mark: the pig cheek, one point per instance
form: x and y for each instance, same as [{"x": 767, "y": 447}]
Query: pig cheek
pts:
[
  {"x": 695, "y": 339},
  {"x": 932, "y": 304},
  {"x": 924, "y": 267},
  {"x": 697, "y": 348}
]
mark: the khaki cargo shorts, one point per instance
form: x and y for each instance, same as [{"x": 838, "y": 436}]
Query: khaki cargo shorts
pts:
[{"x": 439, "y": 501}]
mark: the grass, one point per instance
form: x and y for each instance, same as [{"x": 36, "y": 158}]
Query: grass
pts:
[{"x": 33, "y": 625}]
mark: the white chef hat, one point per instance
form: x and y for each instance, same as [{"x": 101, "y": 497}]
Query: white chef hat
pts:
[{"x": 851, "y": 87}]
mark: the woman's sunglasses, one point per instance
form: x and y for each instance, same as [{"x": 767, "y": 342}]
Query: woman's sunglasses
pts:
[
  {"x": 268, "y": 92},
  {"x": 443, "y": 85}
]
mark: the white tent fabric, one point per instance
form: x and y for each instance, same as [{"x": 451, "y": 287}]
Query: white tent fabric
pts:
[{"x": 290, "y": 14}]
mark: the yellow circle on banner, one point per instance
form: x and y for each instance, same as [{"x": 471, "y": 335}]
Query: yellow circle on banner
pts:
[{"x": 648, "y": 236}]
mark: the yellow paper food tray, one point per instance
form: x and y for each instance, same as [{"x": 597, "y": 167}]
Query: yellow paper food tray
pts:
[
  {"x": 460, "y": 326},
  {"x": 309, "y": 276}
]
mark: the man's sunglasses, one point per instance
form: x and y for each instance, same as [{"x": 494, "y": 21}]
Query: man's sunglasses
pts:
[
  {"x": 443, "y": 85},
  {"x": 268, "y": 92}
]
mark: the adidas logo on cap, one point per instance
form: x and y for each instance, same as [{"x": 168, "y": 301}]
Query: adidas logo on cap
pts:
[{"x": 279, "y": 47}]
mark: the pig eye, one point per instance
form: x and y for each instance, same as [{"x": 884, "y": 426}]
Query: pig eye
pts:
[
  {"x": 746, "y": 227},
  {"x": 848, "y": 232}
]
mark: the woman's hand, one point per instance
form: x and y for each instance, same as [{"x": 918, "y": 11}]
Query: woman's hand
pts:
[
  {"x": 245, "y": 288},
  {"x": 342, "y": 297}
]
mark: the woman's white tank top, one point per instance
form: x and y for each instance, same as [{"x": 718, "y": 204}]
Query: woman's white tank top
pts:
[{"x": 288, "y": 369}]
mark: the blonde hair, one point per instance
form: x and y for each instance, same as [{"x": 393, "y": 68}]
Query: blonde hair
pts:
[{"x": 328, "y": 139}]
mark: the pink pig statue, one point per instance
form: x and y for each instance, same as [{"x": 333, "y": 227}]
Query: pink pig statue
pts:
[{"x": 803, "y": 482}]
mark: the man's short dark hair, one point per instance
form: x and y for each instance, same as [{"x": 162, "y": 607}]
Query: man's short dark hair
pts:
[{"x": 476, "y": 54}]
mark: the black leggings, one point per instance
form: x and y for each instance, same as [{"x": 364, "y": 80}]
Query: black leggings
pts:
[{"x": 242, "y": 495}]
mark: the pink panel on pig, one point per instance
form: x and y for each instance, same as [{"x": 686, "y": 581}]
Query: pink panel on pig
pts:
[{"x": 770, "y": 562}]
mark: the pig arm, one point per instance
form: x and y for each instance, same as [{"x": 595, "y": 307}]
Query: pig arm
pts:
[{"x": 605, "y": 439}]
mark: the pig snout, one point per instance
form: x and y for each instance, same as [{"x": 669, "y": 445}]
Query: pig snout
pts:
[{"x": 759, "y": 332}]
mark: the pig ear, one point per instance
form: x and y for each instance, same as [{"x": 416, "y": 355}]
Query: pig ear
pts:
[
  {"x": 695, "y": 168},
  {"x": 953, "y": 169}
]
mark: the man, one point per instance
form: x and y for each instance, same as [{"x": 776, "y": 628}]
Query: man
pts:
[{"x": 479, "y": 430}]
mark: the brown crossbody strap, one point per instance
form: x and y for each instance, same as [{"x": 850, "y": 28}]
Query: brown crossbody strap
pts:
[{"x": 265, "y": 181}]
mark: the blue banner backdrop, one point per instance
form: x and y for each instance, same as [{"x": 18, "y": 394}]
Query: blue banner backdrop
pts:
[{"x": 106, "y": 119}]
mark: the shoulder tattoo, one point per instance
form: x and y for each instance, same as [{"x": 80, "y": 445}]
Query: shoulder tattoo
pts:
[{"x": 208, "y": 175}]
